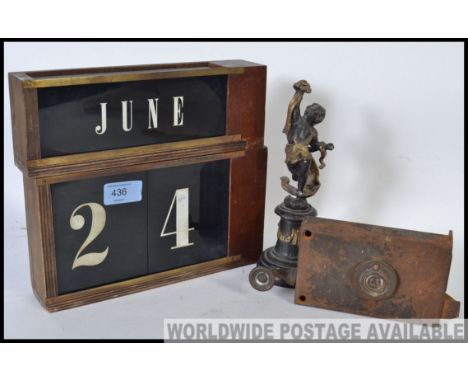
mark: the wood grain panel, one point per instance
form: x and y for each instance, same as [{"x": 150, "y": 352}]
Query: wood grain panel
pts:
[
  {"x": 246, "y": 105},
  {"x": 24, "y": 121},
  {"x": 247, "y": 205},
  {"x": 108, "y": 159},
  {"x": 138, "y": 284}
]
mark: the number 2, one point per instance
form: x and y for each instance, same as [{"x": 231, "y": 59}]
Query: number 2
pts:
[
  {"x": 181, "y": 199},
  {"x": 98, "y": 221}
]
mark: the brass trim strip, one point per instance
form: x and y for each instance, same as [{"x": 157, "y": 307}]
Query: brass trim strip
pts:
[
  {"x": 132, "y": 156},
  {"x": 125, "y": 76},
  {"x": 139, "y": 167}
]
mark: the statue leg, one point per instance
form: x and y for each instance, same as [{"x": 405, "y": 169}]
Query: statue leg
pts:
[
  {"x": 313, "y": 182},
  {"x": 293, "y": 169},
  {"x": 303, "y": 169}
]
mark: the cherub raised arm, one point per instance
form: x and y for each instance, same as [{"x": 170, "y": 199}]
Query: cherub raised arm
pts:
[{"x": 294, "y": 113}]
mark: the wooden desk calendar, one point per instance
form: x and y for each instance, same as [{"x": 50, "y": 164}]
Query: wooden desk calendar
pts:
[{"x": 139, "y": 176}]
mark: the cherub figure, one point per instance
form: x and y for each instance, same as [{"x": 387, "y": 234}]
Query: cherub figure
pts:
[{"x": 302, "y": 142}]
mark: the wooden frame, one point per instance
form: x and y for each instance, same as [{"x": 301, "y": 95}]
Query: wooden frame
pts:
[{"x": 243, "y": 145}]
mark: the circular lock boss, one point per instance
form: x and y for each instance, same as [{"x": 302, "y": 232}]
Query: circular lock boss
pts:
[
  {"x": 261, "y": 278},
  {"x": 375, "y": 279}
]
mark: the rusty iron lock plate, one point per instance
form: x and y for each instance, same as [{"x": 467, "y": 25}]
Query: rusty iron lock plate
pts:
[{"x": 375, "y": 271}]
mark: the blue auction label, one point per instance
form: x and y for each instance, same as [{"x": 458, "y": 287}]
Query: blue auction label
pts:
[{"x": 123, "y": 192}]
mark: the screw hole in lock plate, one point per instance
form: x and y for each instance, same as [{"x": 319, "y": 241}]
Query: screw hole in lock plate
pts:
[
  {"x": 302, "y": 297},
  {"x": 375, "y": 279},
  {"x": 307, "y": 234}
]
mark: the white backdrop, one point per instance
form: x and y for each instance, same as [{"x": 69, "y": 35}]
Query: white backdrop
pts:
[{"x": 394, "y": 113}]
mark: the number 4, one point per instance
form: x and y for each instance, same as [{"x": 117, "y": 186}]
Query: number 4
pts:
[{"x": 181, "y": 198}]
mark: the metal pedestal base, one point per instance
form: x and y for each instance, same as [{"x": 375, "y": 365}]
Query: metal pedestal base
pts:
[{"x": 278, "y": 265}]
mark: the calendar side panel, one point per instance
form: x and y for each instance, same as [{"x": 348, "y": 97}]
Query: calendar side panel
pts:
[
  {"x": 40, "y": 239},
  {"x": 24, "y": 121},
  {"x": 246, "y": 105},
  {"x": 247, "y": 205},
  {"x": 246, "y": 116}
]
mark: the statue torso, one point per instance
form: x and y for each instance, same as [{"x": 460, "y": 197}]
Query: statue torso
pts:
[{"x": 302, "y": 133}]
